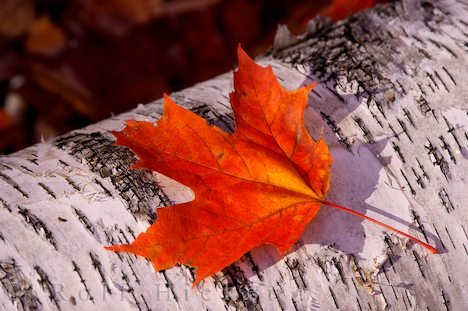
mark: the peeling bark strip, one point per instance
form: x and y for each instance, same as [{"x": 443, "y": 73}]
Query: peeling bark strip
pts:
[{"x": 392, "y": 105}]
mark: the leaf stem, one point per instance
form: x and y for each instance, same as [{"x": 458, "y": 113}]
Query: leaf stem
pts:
[{"x": 350, "y": 211}]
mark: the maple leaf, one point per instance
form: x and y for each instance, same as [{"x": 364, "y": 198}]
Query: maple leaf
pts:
[{"x": 260, "y": 185}]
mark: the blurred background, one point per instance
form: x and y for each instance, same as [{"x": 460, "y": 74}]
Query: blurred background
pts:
[{"x": 66, "y": 64}]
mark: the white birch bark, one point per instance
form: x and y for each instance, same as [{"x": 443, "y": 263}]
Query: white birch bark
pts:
[{"x": 392, "y": 105}]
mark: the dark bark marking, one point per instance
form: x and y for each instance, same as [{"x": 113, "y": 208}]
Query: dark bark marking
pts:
[
  {"x": 320, "y": 264},
  {"x": 441, "y": 45},
  {"x": 405, "y": 129},
  {"x": 24, "y": 167},
  {"x": 402, "y": 88},
  {"x": 224, "y": 122},
  {"x": 445, "y": 200},
  {"x": 47, "y": 189},
  {"x": 447, "y": 148},
  {"x": 408, "y": 116},
  {"x": 464, "y": 231},
  {"x": 100, "y": 269},
  {"x": 295, "y": 304},
  {"x": 365, "y": 131},
  {"x": 395, "y": 134},
  {"x": 394, "y": 292},
  {"x": 391, "y": 262},
  {"x": 5, "y": 205},
  {"x": 420, "y": 226},
  {"x": 72, "y": 183},
  {"x": 124, "y": 236},
  {"x": 450, "y": 238},
  {"x": 349, "y": 50},
  {"x": 432, "y": 89},
  {"x": 65, "y": 164},
  {"x": 445, "y": 300},
  {"x": 383, "y": 295},
  {"x": 82, "y": 281},
  {"x": 431, "y": 77},
  {"x": 355, "y": 287},
  {"x": 357, "y": 270},
  {"x": 419, "y": 179},
  {"x": 397, "y": 150},
  {"x": 33, "y": 161},
  {"x": 12, "y": 183},
  {"x": 438, "y": 235},
  {"x": 170, "y": 286},
  {"x": 449, "y": 75},
  {"x": 384, "y": 271},
  {"x": 404, "y": 301},
  {"x": 17, "y": 286},
  {"x": 409, "y": 300},
  {"x": 442, "y": 81},
  {"x": 338, "y": 132},
  {"x": 38, "y": 226},
  {"x": 421, "y": 167},
  {"x": 422, "y": 90},
  {"x": 425, "y": 53},
  {"x": 359, "y": 304},
  {"x": 339, "y": 268},
  {"x": 4, "y": 166},
  {"x": 424, "y": 107},
  {"x": 245, "y": 296},
  {"x": 376, "y": 119},
  {"x": 145, "y": 302},
  {"x": 84, "y": 220},
  {"x": 130, "y": 255},
  {"x": 136, "y": 187},
  {"x": 48, "y": 287},
  {"x": 451, "y": 130},
  {"x": 279, "y": 300},
  {"x": 437, "y": 159},
  {"x": 130, "y": 290},
  {"x": 417, "y": 260},
  {"x": 108, "y": 193},
  {"x": 333, "y": 297},
  {"x": 413, "y": 192},
  {"x": 297, "y": 271},
  {"x": 254, "y": 266},
  {"x": 137, "y": 280},
  {"x": 111, "y": 241},
  {"x": 129, "y": 230}
]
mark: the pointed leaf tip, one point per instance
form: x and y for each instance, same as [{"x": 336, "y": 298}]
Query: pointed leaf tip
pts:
[
  {"x": 242, "y": 57},
  {"x": 118, "y": 248},
  {"x": 311, "y": 86}
]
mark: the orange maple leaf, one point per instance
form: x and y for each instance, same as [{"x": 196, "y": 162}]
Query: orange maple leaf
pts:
[{"x": 260, "y": 185}]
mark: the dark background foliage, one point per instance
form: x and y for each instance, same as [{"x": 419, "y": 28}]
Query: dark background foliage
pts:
[{"x": 65, "y": 64}]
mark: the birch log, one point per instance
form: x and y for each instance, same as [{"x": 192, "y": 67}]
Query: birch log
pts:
[{"x": 392, "y": 105}]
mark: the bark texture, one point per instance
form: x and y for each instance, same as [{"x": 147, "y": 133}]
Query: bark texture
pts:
[{"x": 391, "y": 103}]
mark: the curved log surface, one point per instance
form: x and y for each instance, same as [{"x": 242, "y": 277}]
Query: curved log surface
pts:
[{"x": 391, "y": 103}]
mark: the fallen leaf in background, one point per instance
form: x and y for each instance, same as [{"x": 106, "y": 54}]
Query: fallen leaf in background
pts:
[
  {"x": 64, "y": 83},
  {"x": 45, "y": 38},
  {"x": 16, "y": 16},
  {"x": 5, "y": 121},
  {"x": 260, "y": 185}
]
